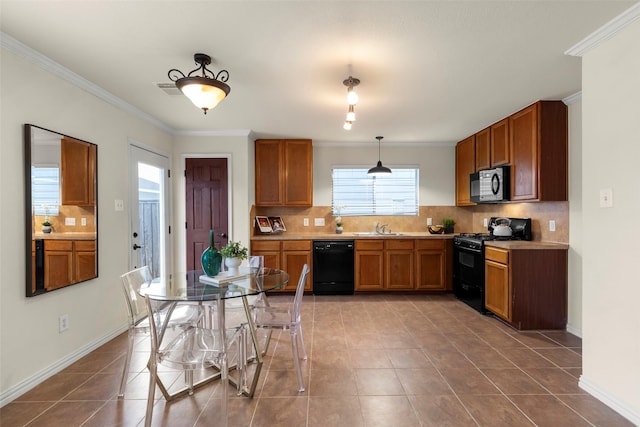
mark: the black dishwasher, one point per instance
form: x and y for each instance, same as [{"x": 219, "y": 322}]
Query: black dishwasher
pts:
[{"x": 333, "y": 266}]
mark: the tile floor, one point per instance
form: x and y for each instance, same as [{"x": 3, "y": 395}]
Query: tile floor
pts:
[{"x": 374, "y": 360}]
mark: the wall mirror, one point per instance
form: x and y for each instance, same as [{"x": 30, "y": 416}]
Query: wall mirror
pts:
[{"x": 61, "y": 210}]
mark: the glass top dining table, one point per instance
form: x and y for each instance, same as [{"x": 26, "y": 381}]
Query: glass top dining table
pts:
[{"x": 196, "y": 287}]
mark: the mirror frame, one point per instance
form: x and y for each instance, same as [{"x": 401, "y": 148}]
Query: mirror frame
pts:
[{"x": 31, "y": 288}]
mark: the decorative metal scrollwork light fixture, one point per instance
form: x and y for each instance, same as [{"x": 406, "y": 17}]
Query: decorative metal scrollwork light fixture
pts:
[
  {"x": 379, "y": 169},
  {"x": 352, "y": 100},
  {"x": 205, "y": 91}
]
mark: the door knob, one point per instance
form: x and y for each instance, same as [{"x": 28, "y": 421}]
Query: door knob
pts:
[
  {"x": 223, "y": 235},
  {"x": 136, "y": 246}
]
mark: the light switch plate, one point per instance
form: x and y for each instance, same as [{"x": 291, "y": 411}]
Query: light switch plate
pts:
[
  {"x": 429, "y": 221},
  {"x": 69, "y": 221},
  {"x": 318, "y": 222},
  {"x": 606, "y": 198},
  {"x": 119, "y": 205},
  {"x": 552, "y": 225}
]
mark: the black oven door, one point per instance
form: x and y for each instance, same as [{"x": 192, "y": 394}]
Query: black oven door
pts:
[{"x": 468, "y": 277}]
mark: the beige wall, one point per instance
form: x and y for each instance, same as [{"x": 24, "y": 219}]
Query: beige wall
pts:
[
  {"x": 611, "y": 286},
  {"x": 31, "y": 348}
]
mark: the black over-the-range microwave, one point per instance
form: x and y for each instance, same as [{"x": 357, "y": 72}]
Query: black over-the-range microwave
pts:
[{"x": 490, "y": 185}]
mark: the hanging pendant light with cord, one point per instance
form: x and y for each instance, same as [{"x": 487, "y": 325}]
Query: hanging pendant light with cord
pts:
[
  {"x": 204, "y": 91},
  {"x": 379, "y": 169}
]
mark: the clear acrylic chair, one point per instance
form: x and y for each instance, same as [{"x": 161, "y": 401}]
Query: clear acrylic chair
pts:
[
  {"x": 287, "y": 318},
  {"x": 194, "y": 348},
  {"x": 183, "y": 316}
]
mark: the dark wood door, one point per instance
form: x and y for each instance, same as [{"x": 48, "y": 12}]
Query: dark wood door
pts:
[{"x": 206, "y": 206}]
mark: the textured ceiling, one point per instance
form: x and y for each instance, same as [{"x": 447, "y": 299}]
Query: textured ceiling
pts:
[{"x": 431, "y": 71}]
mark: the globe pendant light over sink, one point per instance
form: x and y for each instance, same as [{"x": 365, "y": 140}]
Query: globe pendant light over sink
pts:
[
  {"x": 379, "y": 169},
  {"x": 205, "y": 91}
]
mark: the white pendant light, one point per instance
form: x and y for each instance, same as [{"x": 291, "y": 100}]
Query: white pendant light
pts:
[
  {"x": 378, "y": 169},
  {"x": 352, "y": 100}
]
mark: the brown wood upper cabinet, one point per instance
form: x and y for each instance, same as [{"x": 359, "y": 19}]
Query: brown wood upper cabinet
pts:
[
  {"x": 78, "y": 172},
  {"x": 539, "y": 145},
  {"x": 492, "y": 145},
  {"x": 284, "y": 172},
  {"x": 465, "y": 165}
]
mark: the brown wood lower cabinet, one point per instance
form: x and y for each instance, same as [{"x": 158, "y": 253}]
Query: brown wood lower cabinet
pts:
[
  {"x": 68, "y": 261},
  {"x": 403, "y": 264},
  {"x": 288, "y": 255},
  {"x": 527, "y": 287}
]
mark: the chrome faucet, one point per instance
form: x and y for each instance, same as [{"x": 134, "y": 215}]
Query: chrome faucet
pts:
[{"x": 380, "y": 228}]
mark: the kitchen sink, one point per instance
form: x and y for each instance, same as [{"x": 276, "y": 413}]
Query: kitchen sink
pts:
[{"x": 373, "y": 233}]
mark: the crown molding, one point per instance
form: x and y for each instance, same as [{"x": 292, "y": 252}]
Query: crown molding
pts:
[
  {"x": 605, "y": 32},
  {"x": 55, "y": 68},
  {"x": 387, "y": 144},
  {"x": 226, "y": 132},
  {"x": 572, "y": 99}
]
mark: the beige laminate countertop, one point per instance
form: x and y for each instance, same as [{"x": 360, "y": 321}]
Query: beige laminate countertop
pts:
[
  {"x": 64, "y": 236},
  {"x": 350, "y": 236},
  {"x": 529, "y": 245}
]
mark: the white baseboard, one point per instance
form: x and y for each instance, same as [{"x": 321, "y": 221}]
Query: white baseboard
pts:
[
  {"x": 573, "y": 330},
  {"x": 21, "y": 388},
  {"x": 622, "y": 408}
]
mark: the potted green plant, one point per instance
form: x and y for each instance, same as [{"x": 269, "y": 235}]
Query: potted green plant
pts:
[
  {"x": 448, "y": 224},
  {"x": 233, "y": 255},
  {"x": 46, "y": 226}
]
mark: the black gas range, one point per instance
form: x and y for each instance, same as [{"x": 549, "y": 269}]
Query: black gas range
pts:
[{"x": 468, "y": 257}]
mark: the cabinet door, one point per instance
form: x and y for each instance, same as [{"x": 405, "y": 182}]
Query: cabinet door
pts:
[
  {"x": 483, "y": 149},
  {"x": 465, "y": 166},
  {"x": 431, "y": 273},
  {"x": 399, "y": 267},
  {"x": 295, "y": 254},
  {"x": 269, "y": 170},
  {"x": 523, "y": 127},
  {"x": 298, "y": 172},
  {"x": 497, "y": 296},
  {"x": 369, "y": 265},
  {"x": 84, "y": 260},
  {"x": 58, "y": 263},
  {"x": 500, "y": 143},
  {"x": 292, "y": 263},
  {"x": 74, "y": 172}
]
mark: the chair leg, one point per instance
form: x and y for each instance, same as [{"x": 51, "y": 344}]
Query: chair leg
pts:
[
  {"x": 296, "y": 358},
  {"x": 151, "y": 395},
  {"x": 127, "y": 362},
  {"x": 304, "y": 350}
]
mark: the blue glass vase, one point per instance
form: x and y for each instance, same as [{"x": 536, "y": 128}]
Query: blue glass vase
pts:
[{"x": 211, "y": 258}]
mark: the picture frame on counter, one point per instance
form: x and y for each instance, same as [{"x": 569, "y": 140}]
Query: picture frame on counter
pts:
[
  {"x": 277, "y": 224},
  {"x": 263, "y": 224}
]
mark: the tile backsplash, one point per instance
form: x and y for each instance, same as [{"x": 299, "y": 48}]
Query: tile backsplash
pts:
[{"x": 468, "y": 219}]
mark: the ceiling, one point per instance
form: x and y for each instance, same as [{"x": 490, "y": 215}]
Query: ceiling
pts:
[{"x": 430, "y": 71}]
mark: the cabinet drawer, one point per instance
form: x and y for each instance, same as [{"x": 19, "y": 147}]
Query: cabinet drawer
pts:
[
  {"x": 430, "y": 244},
  {"x": 369, "y": 245},
  {"x": 84, "y": 245},
  {"x": 497, "y": 255},
  {"x": 296, "y": 245},
  {"x": 398, "y": 244},
  {"x": 265, "y": 245},
  {"x": 58, "y": 245}
]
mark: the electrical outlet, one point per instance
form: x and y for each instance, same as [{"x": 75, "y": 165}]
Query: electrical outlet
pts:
[
  {"x": 552, "y": 225},
  {"x": 83, "y": 222},
  {"x": 69, "y": 221},
  {"x": 485, "y": 222},
  {"x": 305, "y": 222},
  {"x": 429, "y": 221},
  {"x": 119, "y": 205},
  {"x": 63, "y": 322},
  {"x": 318, "y": 222}
]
